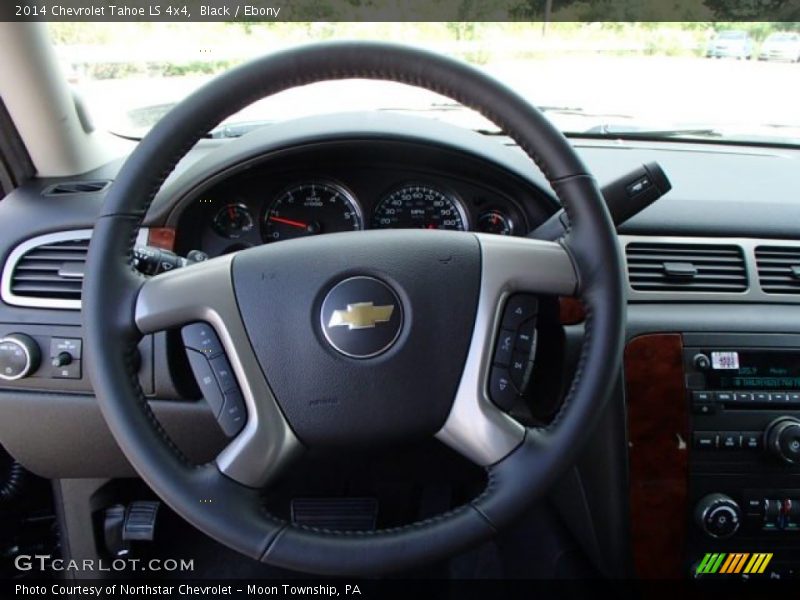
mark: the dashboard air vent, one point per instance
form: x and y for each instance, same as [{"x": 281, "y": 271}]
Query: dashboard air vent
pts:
[
  {"x": 47, "y": 271},
  {"x": 76, "y": 187},
  {"x": 657, "y": 267},
  {"x": 778, "y": 269}
]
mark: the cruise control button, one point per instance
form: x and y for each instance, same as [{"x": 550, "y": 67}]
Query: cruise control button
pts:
[
  {"x": 203, "y": 338},
  {"x": 519, "y": 308},
  {"x": 518, "y": 369},
  {"x": 501, "y": 390},
  {"x": 526, "y": 337},
  {"x": 232, "y": 416},
  {"x": 505, "y": 346},
  {"x": 222, "y": 371},
  {"x": 205, "y": 380}
]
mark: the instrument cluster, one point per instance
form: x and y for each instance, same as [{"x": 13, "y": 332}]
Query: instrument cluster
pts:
[{"x": 269, "y": 205}]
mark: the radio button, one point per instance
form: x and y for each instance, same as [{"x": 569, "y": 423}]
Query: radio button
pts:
[
  {"x": 761, "y": 397},
  {"x": 724, "y": 396},
  {"x": 793, "y": 398},
  {"x": 780, "y": 397},
  {"x": 702, "y": 396},
  {"x": 729, "y": 440},
  {"x": 743, "y": 397},
  {"x": 751, "y": 440},
  {"x": 705, "y": 440}
]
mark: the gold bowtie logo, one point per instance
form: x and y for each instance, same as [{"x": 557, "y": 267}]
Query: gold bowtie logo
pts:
[{"x": 361, "y": 315}]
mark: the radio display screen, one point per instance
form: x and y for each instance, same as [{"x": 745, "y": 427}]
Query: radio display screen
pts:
[{"x": 754, "y": 370}]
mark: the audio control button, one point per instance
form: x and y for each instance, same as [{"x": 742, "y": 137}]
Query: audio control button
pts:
[
  {"x": 761, "y": 397},
  {"x": 724, "y": 396},
  {"x": 778, "y": 397},
  {"x": 702, "y": 396},
  {"x": 793, "y": 398},
  {"x": 729, "y": 440},
  {"x": 751, "y": 440},
  {"x": 705, "y": 440},
  {"x": 743, "y": 397}
]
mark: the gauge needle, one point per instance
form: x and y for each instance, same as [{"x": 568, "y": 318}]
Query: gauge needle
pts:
[{"x": 289, "y": 222}]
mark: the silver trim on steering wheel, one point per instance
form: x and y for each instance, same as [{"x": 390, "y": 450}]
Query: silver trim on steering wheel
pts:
[
  {"x": 204, "y": 292},
  {"x": 475, "y": 427}
]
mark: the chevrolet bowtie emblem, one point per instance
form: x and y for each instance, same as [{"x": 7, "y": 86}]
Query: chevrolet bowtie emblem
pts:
[{"x": 361, "y": 315}]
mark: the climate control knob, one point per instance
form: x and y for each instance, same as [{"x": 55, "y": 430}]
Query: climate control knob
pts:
[
  {"x": 718, "y": 515},
  {"x": 19, "y": 356},
  {"x": 782, "y": 438}
]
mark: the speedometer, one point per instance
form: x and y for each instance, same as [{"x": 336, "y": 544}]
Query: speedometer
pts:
[
  {"x": 309, "y": 209},
  {"x": 419, "y": 207}
]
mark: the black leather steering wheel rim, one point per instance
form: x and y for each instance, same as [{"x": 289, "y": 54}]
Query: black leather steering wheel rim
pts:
[{"x": 236, "y": 516}]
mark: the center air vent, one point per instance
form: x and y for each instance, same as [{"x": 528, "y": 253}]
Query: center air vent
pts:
[
  {"x": 660, "y": 267},
  {"x": 778, "y": 269},
  {"x": 47, "y": 271}
]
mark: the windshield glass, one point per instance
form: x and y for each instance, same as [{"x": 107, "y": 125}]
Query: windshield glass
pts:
[{"x": 595, "y": 79}]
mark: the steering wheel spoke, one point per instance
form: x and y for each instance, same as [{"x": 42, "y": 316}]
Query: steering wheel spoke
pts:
[
  {"x": 476, "y": 427},
  {"x": 204, "y": 292}
]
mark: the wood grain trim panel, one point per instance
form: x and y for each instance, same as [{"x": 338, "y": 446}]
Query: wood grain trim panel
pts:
[
  {"x": 571, "y": 311},
  {"x": 658, "y": 435},
  {"x": 161, "y": 237}
]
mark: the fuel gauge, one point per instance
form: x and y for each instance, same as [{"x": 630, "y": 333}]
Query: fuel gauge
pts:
[
  {"x": 233, "y": 221},
  {"x": 494, "y": 221}
]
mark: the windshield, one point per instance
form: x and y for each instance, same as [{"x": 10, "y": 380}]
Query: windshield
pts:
[
  {"x": 731, "y": 35},
  {"x": 781, "y": 37},
  {"x": 592, "y": 79}
]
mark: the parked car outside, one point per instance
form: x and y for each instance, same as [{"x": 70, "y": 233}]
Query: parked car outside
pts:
[
  {"x": 783, "y": 45},
  {"x": 731, "y": 44}
]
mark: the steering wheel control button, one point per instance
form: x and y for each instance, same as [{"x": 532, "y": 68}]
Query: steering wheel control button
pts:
[
  {"x": 361, "y": 317},
  {"x": 222, "y": 371},
  {"x": 526, "y": 336},
  {"x": 519, "y": 308},
  {"x": 501, "y": 390},
  {"x": 232, "y": 416},
  {"x": 203, "y": 338},
  {"x": 519, "y": 369},
  {"x": 19, "y": 356},
  {"x": 206, "y": 380},
  {"x": 505, "y": 347}
]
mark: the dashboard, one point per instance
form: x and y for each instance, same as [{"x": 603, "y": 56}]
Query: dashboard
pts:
[
  {"x": 339, "y": 173},
  {"x": 352, "y": 186}
]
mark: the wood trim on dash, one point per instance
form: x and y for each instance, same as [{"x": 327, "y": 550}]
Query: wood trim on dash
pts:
[
  {"x": 571, "y": 311},
  {"x": 658, "y": 436},
  {"x": 161, "y": 237}
]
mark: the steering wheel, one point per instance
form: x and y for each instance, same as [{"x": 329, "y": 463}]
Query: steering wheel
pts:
[{"x": 352, "y": 339}]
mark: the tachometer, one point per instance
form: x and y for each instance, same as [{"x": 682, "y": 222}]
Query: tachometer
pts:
[
  {"x": 419, "y": 207},
  {"x": 310, "y": 209}
]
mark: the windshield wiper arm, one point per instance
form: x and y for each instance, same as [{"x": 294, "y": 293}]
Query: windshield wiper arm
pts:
[{"x": 632, "y": 133}]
